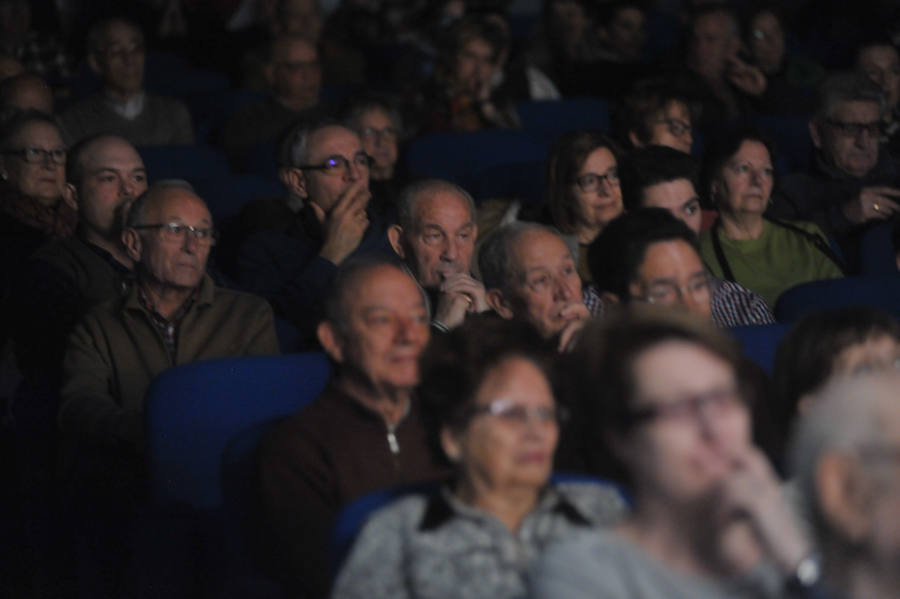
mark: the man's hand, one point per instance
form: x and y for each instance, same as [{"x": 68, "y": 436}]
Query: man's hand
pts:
[
  {"x": 577, "y": 316},
  {"x": 460, "y": 294},
  {"x": 872, "y": 203},
  {"x": 343, "y": 228},
  {"x": 747, "y": 78}
]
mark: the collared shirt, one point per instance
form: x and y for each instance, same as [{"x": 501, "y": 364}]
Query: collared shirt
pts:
[
  {"x": 734, "y": 305},
  {"x": 166, "y": 327},
  {"x": 439, "y": 547},
  {"x": 592, "y": 299},
  {"x": 130, "y": 109}
]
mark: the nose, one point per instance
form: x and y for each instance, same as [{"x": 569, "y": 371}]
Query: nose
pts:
[
  {"x": 353, "y": 171},
  {"x": 563, "y": 289},
  {"x": 450, "y": 251},
  {"x": 126, "y": 188}
]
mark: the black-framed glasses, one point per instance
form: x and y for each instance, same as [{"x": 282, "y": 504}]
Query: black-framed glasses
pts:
[
  {"x": 510, "y": 412},
  {"x": 676, "y": 127},
  {"x": 40, "y": 155},
  {"x": 715, "y": 401},
  {"x": 855, "y": 129},
  {"x": 177, "y": 232},
  {"x": 590, "y": 182},
  {"x": 338, "y": 165}
]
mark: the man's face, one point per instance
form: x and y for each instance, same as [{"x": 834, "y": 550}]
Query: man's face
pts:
[
  {"x": 678, "y": 197},
  {"x": 627, "y": 34},
  {"x": 379, "y": 139},
  {"x": 296, "y": 76},
  {"x": 169, "y": 261},
  {"x": 325, "y": 188},
  {"x": 443, "y": 238},
  {"x": 849, "y": 139},
  {"x": 767, "y": 41},
  {"x": 386, "y": 330},
  {"x": 713, "y": 41},
  {"x": 673, "y": 274},
  {"x": 113, "y": 175},
  {"x": 121, "y": 61},
  {"x": 882, "y": 65},
  {"x": 544, "y": 281},
  {"x": 475, "y": 64}
]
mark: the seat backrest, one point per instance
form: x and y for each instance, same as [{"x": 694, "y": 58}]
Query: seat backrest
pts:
[
  {"x": 759, "y": 342},
  {"x": 552, "y": 118},
  {"x": 881, "y": 292},
  {"x": 193, "y": 411},
  {"x": 876, "y": 250},
  {"x": 189, "y": 161}
]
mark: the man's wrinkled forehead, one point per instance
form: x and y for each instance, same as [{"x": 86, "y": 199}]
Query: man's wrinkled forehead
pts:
[
  {"x": 333, "y": 140},
  {"x": 431, "y": 208}
]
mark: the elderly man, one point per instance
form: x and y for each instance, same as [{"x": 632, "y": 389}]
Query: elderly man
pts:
[
  {"x": 660, "y": 177},
  {"x": 363, "y": 433},
  {"x": 529, "y": 273},
  {"x": 844, "y": 457},
  {"x": 174, "y": 314},
  {"x": 294, "y": 78},
  {"x": 852, "y": 182},
  {"x": 292, "y": 267},
  {"x": 435, "y": 237},
  {"x": 116, "y": 54}
]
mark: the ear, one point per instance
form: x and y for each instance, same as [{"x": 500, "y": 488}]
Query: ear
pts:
[
  {"x": 608, "y": 296},
  {"x": 70, "y": 196},
  {"x": 395, "y": 237},
  {"x": 94, "y": 63},
  {"x": 331, "y": 339},
  {"x": 635, "y": 140},
  {"x": 451, "y": 445},
  {"x": 844, "y": 495},
  {"x": 134, "y": 245},
  {"x": 815, "y": 132},
  {"x": 499, "y": 304},
  {"x": 294, "y": 179}
]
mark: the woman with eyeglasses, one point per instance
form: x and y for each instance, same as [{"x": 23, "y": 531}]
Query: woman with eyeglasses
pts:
[
  {"x": 660, "y": 396},
  {"x": 583, "y": 189},
  {"x": 766, "y": 255},
  {"x": 490, "y": 413}
]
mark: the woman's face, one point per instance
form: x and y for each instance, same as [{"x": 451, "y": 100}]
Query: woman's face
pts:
[
  {"x": 691, "y": 422},
  {"x": 41, "y": 179},
  {"x": 596, "y": 190},
  {"x": 510, "y": 438},
  {"x": 745, "y": 182},
  {"x": 672, "y": 128}
]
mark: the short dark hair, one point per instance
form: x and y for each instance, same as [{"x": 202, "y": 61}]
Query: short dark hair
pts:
[
  {"x": 724, "y": 146},
  {"x": 646, "y": 167},
  {"x": 96, "y": 37},
  {"x": 75, "y": 158},
  {"x": 455, "y": 364},
  {"x": 485, "y": 27},
  {"x": 648, "y": 98},
  {"x": 615, "y": 256},
  {"x": 566, "y": 158}
]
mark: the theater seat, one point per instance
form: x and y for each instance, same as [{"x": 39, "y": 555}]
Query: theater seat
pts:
[
  {"x": 876, "y": 253},
  {"x": 191, "y": 162},
  {"x": 552, "y": 118},
  {"x": 881, "y": 292},
  {"x": 759, "y": 342}
]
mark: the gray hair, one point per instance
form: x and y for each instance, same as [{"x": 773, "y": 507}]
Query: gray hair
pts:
[
  {"x": 495, "y": 254},
  {"x": 368, "y": 102},
  {"x": 846, "y": 86},
  {"x": 847, "y": 415},
  {"x": 139, "y": 206},
  {"x": 421, "y": 190},
  {"x": 293, "y": 150}
]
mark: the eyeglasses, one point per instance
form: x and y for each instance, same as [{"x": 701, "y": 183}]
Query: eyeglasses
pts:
[
  {"x": 713, "y": 402},
  {"x": 676, "y": 127},
  {"x": 338, "y": 165},
  {"x": 515, "y": 414},
  {"x": 666, "y": 292},
  {"x": 39, "y": 155},
  {"x": 854, "y": 130},
  {"x": 177, "y": 232},
  {"x": 387, "y": 134},
  {"x": 590, "y": 182}
]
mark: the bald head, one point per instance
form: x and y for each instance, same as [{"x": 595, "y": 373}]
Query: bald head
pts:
[{"x": 26, "y": 92}]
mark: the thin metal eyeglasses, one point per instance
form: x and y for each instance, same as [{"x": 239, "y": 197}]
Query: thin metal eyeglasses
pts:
[
  {"x": 39, "y": 155},
  {"x": 177, "y": 232},
  {"x": 510, "y": 412},
  {"x": 338, "y": 165},
  {"x": 388, "y": 133},
  {"x": 714, "y": 401},
  {"x": 590, "y": 182}
]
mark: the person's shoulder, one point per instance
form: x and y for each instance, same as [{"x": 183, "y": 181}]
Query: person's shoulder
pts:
[{"x": 599, "y": 502}]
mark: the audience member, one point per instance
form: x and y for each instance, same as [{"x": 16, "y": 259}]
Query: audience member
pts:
[
  {"x": 37, "y": 52},
  {"x": 851, "y": 182},
  {"x": 660, "y": 177},
  {"x": 583, "y": 189},
  {"x": 294, "y": 78},
  {"x": 647, "y": 255},
  {"x": 435, "y": 237},
  {"x": 330, "y": 172},
  {"x": 24, "y": 92},
  {"x": 656, "y": 113},
  {"x": 844, "y": 456},
  {"x": 661, "y": 396},
  {"x": 529, "y": 273},
  {"x": 116, "y": 53},
  {"x": 363, "y": 433},
  {"x": 490, "y": 412},
  {"x": 765, "y": 255},
  {"x": 879, "y": 61},
  {"x": 174, "y": 314},
  {"x": 9, "y": 67}
]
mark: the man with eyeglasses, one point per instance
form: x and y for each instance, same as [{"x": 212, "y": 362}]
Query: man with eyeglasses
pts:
[
  {"x": 116, "y": 53},
  {"x": 852, "y": 182},
  {"x": 292, "y": 266},
  {"x": 661, "y": 177},
  {"x": 172, "y": 315},
  {"x": 294, "y": 78}
]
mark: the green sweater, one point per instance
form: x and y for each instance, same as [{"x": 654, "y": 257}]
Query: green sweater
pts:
[{"x": 773, "y": 263}]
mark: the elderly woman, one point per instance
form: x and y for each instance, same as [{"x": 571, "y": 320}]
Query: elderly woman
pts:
[
  {"x": 765, "y": 255},
  {"x": 494, "y": 417},
  {"x": 709, "y": 520},
  {"x": 583, "y": 189}
]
